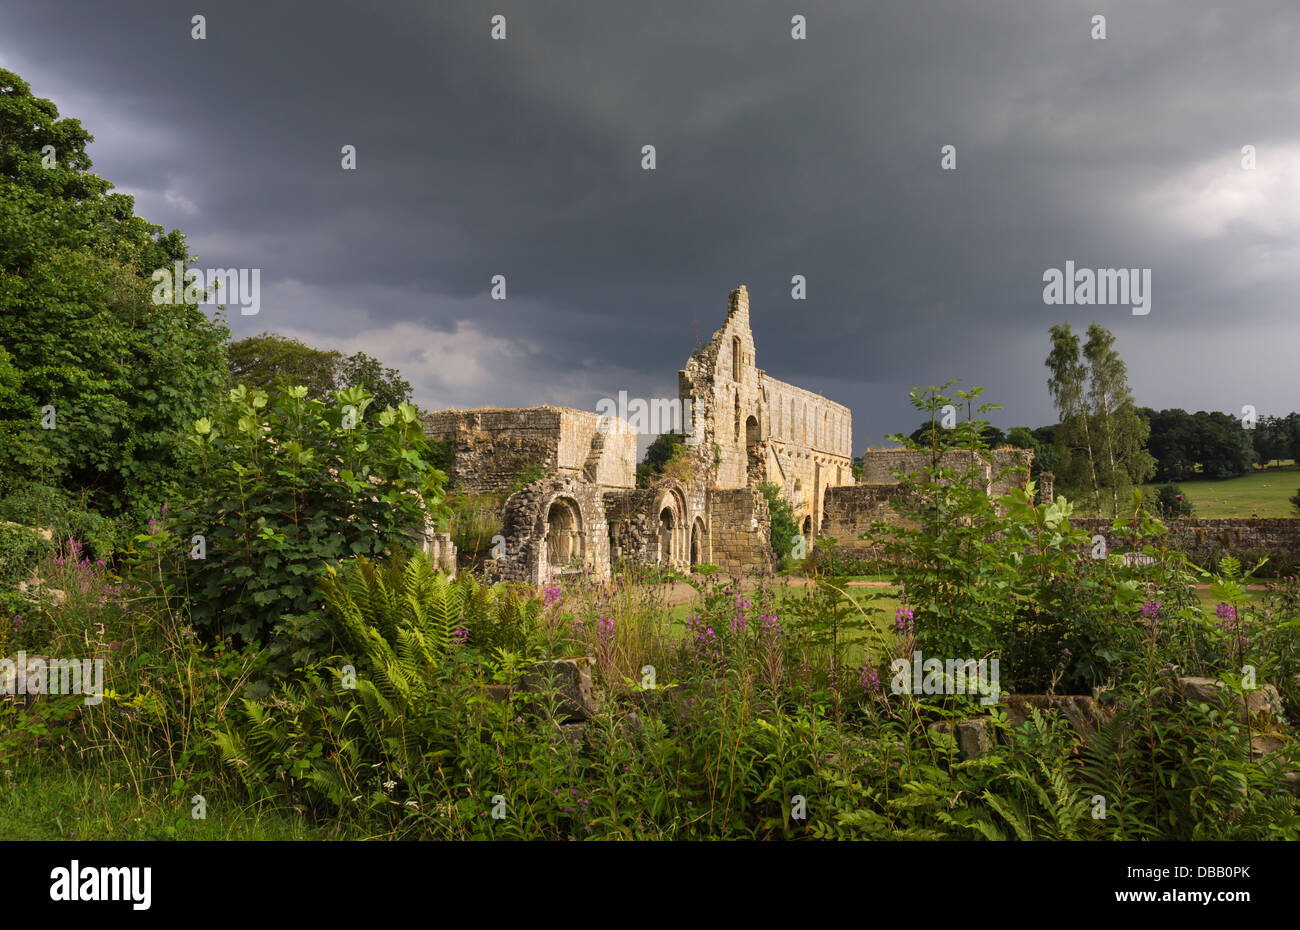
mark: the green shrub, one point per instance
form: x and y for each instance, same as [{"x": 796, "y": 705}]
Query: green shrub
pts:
[
  {"x": 21, "y": 549},
  {"x": 282, "y": 486},
  {"x": 48, "y": 507},
  {"x": 784, "y": 527}
]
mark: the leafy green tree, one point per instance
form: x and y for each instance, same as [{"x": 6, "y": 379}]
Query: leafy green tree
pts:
[
  {"x": 1173, "y": 443},
  {"x": 1040, "y": 442},
  {"x": 268, "y": 361},
  {"x": 1121, "y": 432},
  {"x": 1271, "y": 440},
  {"x": 1068, "y": 384},
  {"x": 657, "y": 455},
  {"x": 386, "y": 384},
  {"x": 98, "y": 382}
]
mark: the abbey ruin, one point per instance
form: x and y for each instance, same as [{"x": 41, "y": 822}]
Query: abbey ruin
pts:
[{"x": 580, "y": 509}]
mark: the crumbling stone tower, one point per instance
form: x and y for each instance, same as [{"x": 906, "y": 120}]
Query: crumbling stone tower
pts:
[{"x": 754, "y": 428}]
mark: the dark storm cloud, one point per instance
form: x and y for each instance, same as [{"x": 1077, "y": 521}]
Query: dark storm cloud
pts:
[{"x": 775, "y": 158}]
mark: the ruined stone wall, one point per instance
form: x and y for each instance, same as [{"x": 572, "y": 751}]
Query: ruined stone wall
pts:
[
  {"x": 1016, "y": 464},
  {"x": 1207, "y": 540},
  {"x": 878, "y": 465},
  {"x": 492, "y": 447},
  {"x": 722, "y": 384},
  {"x": 665, "y": 524},
  {"x": 442, "y": 551},
  {"x": 553, "y": 527},
  {"x": 741, "y": 531},
  {"x": 850, "y": 511},
  {"x": 755, "y": 428}
]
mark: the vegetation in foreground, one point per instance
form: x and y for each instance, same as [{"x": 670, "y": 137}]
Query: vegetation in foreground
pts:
[{"x": 391, "y": 701}]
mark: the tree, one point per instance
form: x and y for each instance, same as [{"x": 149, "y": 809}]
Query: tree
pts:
[
  {"x": 784, "y": 527},
  {"x": 1067, "y": 385},
  {"x": 1039, "y": 441},
  {"x": 1122, "y": 433},
  {"x": 270, "y": 360},
  {"x": 386, "y": 384},
  {"x": 1173, "y": 443},
  {"x": 100, "y": 382}
]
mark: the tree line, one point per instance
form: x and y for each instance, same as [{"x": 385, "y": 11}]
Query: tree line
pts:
[{"x": 1104, "y": 445}]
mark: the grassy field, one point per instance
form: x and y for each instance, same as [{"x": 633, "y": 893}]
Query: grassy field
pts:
[
  {"x": 1261, "y": 494},
  {"x": 42, "y": 799}
]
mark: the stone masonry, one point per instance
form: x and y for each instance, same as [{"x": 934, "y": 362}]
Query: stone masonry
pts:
[
  {"x": 586, "y": 514},
  {"x": 492, "y": 447},
  {"x": 755, "y": 428}
]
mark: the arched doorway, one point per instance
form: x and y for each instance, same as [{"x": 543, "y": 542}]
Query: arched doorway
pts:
[
  {"x": 563, "y": 534},
  {"x": 807, "y": 527},
  {"x": 697, "y": 542},
  {"x": 667, "y": 524}
]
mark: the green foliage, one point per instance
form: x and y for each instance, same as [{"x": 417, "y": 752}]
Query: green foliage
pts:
[
  {"x": 269, "y": 361},
  {"x": 1015, "y": 579},
  {"x": 1100, "y": 444},
  {"x": 67, "y": 518},
  {"x": 80, "y": 331},
  {"x": 784, "y": 524},
  {"x": 387, "y": 385},
  {"x": 532, "y": 471},
  {"x": 474, "y": 521},
  {"x": 663, "y": 449},
  {"x": 1205, "y": 445},
  {"x": 283, "y": 485},
  {"x": 21, "y": 550}
]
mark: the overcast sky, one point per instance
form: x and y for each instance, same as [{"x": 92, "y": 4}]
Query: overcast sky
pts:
[{"x": 775, "y": 157}]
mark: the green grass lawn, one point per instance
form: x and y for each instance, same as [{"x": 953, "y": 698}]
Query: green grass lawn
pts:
[
  {"x": 1263, "y": 494},
  {"x": 41, "y": 798}
]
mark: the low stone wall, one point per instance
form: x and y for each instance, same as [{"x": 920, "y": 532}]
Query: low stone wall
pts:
[{"x": 1205, "y": 540}]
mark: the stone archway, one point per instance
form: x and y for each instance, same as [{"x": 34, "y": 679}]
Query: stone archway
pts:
[
  {"x": 667, "y": 532},
  {"x": 807, "y": 527},
  {"x": 697, "y": 542},
  {"x": 563, "y": 534}
]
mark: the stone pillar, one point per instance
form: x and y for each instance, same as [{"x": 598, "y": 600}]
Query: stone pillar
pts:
[{"x": 1046, "y": 493}]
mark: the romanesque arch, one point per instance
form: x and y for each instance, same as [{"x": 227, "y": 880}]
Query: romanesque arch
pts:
[
  {"x": 698, "y": 542},
  {"x": 563, "y": 534}
]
